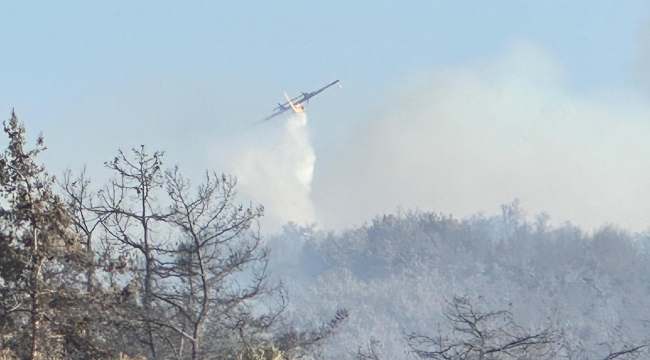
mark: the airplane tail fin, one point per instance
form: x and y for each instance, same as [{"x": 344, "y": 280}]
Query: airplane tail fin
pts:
[{"x": 296, "y": 109}]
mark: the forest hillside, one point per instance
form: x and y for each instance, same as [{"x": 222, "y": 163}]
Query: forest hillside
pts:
[{"x": 399, "y": 273}]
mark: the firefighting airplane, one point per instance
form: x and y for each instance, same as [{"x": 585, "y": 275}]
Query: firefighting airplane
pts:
[{"x": 296, "y": 104}]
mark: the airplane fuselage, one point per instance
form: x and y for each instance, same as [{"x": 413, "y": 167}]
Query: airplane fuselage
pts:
[{"x": 297, "y": 108}]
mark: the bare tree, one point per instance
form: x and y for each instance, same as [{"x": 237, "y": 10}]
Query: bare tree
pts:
[
  {"x": 85, "y": 220},
  {"x": 109, "y": 309},
  {"x": 371, "y": 352},
  {"x": 191, "y": 260},
  {"x": 217, "y": 271},
  {"x": 477, "y": 335},
  {"x": 129, "y": 214}
]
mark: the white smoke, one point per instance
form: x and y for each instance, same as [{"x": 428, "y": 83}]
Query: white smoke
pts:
[
  {"x": 468, "y": 139},
  {"x": 275, "y": 169}
]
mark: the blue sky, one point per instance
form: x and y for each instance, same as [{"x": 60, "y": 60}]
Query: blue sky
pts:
[{"x": 191, "y": 77}]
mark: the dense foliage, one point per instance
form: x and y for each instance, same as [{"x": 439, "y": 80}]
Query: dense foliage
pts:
[{"x": 398, "y": 275}]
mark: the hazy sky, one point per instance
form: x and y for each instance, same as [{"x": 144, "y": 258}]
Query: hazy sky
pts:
[{"x": 191, "y": 79}]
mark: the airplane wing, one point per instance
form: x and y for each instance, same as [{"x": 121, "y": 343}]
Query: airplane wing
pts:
[
  {"x": 273, "y": 115},
  {"x": 306, "y": 97},
  {"x": 323, "y": 88}
]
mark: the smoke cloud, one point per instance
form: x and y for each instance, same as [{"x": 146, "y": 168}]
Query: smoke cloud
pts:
[
  {"x": 275, "y": 168},
  {"x": 469, "y": 139}
]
